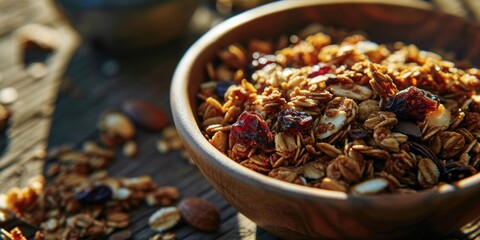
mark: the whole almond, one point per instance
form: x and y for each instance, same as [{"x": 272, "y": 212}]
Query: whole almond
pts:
[
  {"x": 146, "y": 114},
  {"x": 199, "y": 214}
]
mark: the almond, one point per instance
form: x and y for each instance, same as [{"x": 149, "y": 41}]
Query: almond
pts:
[
  {"x": 146, "y": 114},
  {"x": 199, "y": 214}
]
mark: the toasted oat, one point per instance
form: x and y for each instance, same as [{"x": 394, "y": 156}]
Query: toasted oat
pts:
[{"x": 362, "y": 139}]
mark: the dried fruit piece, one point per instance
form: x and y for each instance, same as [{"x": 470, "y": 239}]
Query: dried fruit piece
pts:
[
  {"x": 146, "y": 114},
  {"x": 454, "y": 171},
  {"x": 320, "y": 69},
  {"x": 221, "y": 87},
  {"x": 199, "y": 214},
  {"x": 293, "y": 121},
  {"x": 164, "y": 219},
  {"x": 97, "y": 194},
  {"x": 412, "y": 103},
  {"x": 251, "y": 130}
]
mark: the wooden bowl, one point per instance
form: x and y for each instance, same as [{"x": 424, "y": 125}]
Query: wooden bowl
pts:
[
  {"x": 127, "y": 26},
  {"x": 296, "y": 212}
]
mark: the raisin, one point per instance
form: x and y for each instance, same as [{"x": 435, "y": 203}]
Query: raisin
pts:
[
  {"x": 292, "y": 121},
  {"x": 453, "y": 171},
  {"x": 222, "y": 87},
  {"x": 358, "y": 133},
  {"x": 412, "y": 103},
  {"x": 251, "y": 130},
  {"x": 97, "y": 194},
  {"x": 319, "y": 69}
]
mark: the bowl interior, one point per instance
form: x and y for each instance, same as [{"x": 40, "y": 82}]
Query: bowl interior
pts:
[{"x": 407, "y": 21}]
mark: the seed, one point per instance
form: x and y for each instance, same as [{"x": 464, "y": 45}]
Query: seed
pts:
[
  {"x": 146, "y": 114},
  {"x": 164, "y": 219}
]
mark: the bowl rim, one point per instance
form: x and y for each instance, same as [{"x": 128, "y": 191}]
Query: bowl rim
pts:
[{"x": 184, "y": 114}]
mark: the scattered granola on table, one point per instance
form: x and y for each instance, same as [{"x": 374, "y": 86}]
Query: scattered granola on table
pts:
[
  {"x": 82, "y": 200},
  {"x": 78, "y": 199},
  {"x": 353, "y": 116}
]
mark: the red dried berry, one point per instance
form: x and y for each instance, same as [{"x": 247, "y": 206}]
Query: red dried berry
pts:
[
  {"x": 412, "y": 103},
  {"x": 251, "y": 130},
  {"x": 292, "y": 121},
  {"x": 319, "y": 69}
]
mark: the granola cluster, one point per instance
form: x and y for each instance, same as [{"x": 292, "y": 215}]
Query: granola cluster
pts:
[
  {"x": 82, "y": 200},
  {"x": 343, "y": 113}
]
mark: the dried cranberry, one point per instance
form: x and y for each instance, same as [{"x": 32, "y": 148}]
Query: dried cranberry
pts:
[
  {"x": 412, "y": 103},
  {"x": 319, "y": 69},
  {"x": 222, "y": 87},
  {"x": 251, "y": 130},
  {"x": 97, "y": 194},
  {"x": 292, "y": 121}
]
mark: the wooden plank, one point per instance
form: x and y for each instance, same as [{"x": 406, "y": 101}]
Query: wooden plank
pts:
[{"x": 28, "y": 131}]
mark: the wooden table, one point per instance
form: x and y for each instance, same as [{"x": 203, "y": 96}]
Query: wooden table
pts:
[
  {"x": 92, "y": 85},
  {"x": 96, "y": 82}
]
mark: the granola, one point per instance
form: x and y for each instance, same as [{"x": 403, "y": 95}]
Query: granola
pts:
[{"x": 343, "y": 113}]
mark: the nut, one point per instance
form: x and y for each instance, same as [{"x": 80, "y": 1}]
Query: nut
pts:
[
  {"x": 164, "y": 219},
  {"x": 200, "y": 214},
  {"x": 146, "y": 114},
  {"x": 116, "y": 129}
]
